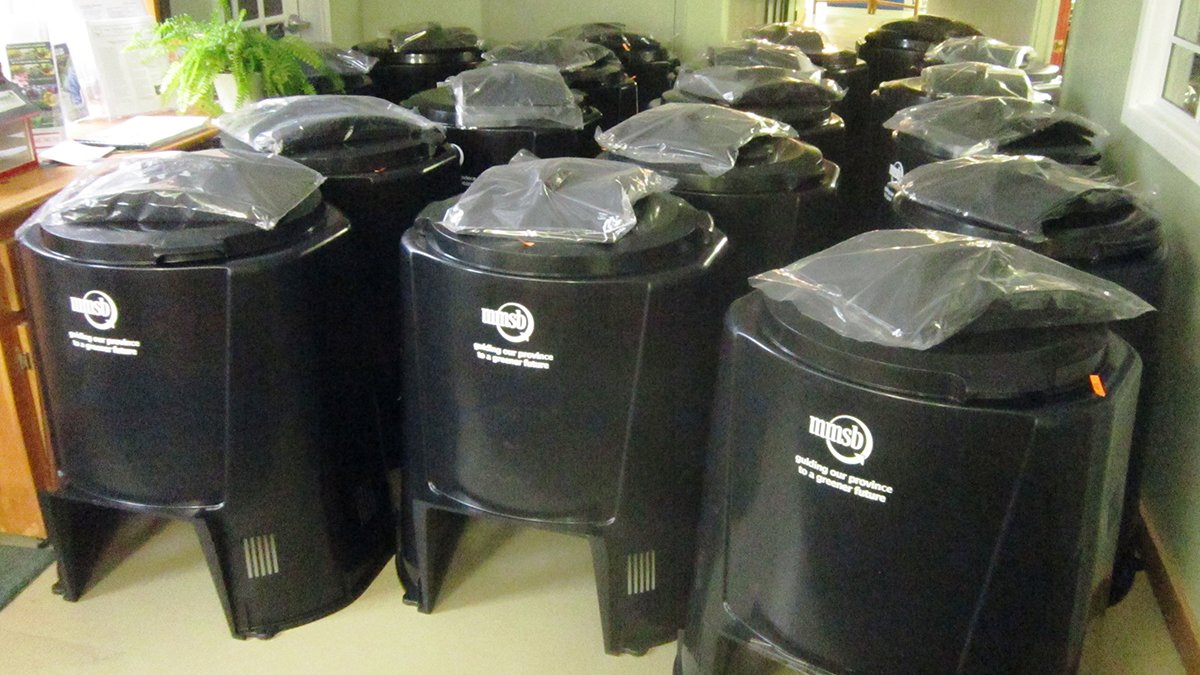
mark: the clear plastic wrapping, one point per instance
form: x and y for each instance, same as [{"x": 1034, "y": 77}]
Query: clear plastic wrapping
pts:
[
  {"x": 915, "y": 289},
  {"x": 1014, "y": 194},
  {"x": 514, "y": 95},
  {"x": 612, "y": 35},
  {"x": 690, "y": 134},
  {"x": 981, "y": 49},
  {"x": 182, "y": 188},
  {"x": 808, "y": 39},
  {"x": 345, "y": 61},
  {"x": 430, "y": 36},
  {"x": 977, "y": 79},
  {"x": 970, "y": 125},
  {"x": 295, "y": 123},
  {"x": 759, "y": 53},
  {"x": 565, "y": 54},
  {"x": 735, "y": 85},
  {"x": 568, "y": 199}
]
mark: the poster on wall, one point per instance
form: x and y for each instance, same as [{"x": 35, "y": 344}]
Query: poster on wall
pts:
[
  {"x": 70, "y": 92},
  {"x": 32, "y": 67}
]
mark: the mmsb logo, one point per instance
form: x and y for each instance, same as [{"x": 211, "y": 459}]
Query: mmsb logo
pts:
[
  {"x": 97, "y": 307},
  {"x": 512, "y": 320},
  {"x": 847, "y": 433}
]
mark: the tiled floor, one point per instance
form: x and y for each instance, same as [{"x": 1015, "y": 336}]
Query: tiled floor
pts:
[{"x": 527, "y": 606}]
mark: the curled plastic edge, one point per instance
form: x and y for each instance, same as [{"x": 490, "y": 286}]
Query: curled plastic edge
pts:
[
  {"x": 171, "y": 173},
  {"x": 915, "y": 289},
  {"x": 288, "y": 115},
  {"x": 690, "y": 134},
  {"x": 569, "y": 199}
]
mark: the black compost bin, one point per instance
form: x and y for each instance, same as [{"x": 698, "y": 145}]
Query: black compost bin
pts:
[
  {"x": 1065, "y": 213},
  {"x": 586, "y": 67},
  {"x": 548, "y": 388},
  {"x": 946, "y": 80},
  {"x": 772, "y": 195},
  {"x": 643, "y": 57},
  {"x": 934, "y": 83},
  {"x": 202, "y": 367},
  {"x": 874, "y": 509},
  {"x": 1046, "y": 78},
  {"x": 968, "y": 125},
  {"x": 532, "y": 120},
  {"x": 840, "y": 65},
  {"x": 416, "y": 58},
  {"x": 897, "y": 48},
  {"x": 803, "y": 100},
  {"x": 382, "y": 164}
]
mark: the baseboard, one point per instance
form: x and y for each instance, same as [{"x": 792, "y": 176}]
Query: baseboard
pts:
[{"x": 1164, "y": 579}]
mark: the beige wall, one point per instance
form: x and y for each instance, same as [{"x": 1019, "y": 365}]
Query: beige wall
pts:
[
  {"x": 1098, "y": 57},
  {"x": 377, "y": 17},
  {"x": 1009, "y": 20},
  {"x": 505, "y": 21}
]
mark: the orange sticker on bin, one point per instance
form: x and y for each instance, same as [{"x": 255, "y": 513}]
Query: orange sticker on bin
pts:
[{"x": 1097, "y": 385}]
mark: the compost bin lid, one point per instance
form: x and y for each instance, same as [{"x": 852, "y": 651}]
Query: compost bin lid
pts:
[
  {"x": 917, "y": 34},
  {"x": 570, "y": 217},
  {"x": 335, "y": 135},
  {"x": 425, "y": 43},
  {"x": 802, "y": 95},
  {"x": 967, "y": 125},
  {"x": 945, "y": 315},
  {"x": 1065, "y": 212},
  {"x": 710, "y": 148},
  {"x": 437, "y": 104},
  {"x": 1002, "y": 365},
  {"x": 632, "y": 48},
  {"x": 170, "y": 208}
]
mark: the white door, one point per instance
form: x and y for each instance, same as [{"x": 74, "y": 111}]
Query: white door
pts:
[{"x": 308, "y": 19}]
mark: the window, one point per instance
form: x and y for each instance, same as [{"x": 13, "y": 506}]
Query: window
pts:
[{"x": 1162, "y": 101}]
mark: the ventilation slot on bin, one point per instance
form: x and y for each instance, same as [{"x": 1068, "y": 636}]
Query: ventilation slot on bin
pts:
[
  {"x": 639, "y": 573},
  {"x": 262, "y": 557}
]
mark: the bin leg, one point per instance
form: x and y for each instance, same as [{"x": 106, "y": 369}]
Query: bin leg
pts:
[
  {"x": 428, "y": 539},
  {"x": 89, "y": 540},
  {"x": 642, "y": 585}
]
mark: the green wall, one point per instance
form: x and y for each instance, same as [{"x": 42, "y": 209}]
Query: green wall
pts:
[
  {"x": 1098, "y": 58},
  {"x": 688, "y": 25}
]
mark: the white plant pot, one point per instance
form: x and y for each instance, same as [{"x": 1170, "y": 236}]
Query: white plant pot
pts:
[{"x": 227, "y": 91}]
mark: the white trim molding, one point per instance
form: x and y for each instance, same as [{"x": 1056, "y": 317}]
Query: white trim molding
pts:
[{"x": 1170, "y": 131}]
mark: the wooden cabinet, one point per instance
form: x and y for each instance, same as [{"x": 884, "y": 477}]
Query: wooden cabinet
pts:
[{"x": 25, "y": 459}]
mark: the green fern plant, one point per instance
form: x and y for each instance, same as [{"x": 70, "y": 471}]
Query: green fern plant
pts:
[{"x": 201, "y": 50}]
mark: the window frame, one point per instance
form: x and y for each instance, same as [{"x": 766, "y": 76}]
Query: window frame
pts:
[{"x": 1170, "y": 131}]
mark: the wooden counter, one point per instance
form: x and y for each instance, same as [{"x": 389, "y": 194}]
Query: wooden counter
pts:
[
  {"x": 26, "y": 461},
  {"x": 20, "y": 195}
]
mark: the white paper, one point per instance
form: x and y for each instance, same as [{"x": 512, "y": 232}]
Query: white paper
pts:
[
  {"x": 127, "y": 79},
  {"x": 75, "y": 154},
  {"x": 146, "y": 131}
]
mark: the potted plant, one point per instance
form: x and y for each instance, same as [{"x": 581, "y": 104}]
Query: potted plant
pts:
[{"x": 220, "y": 59}]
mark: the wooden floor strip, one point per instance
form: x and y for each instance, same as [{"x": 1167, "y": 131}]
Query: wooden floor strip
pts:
[{"x": 1178, "y": 612}]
